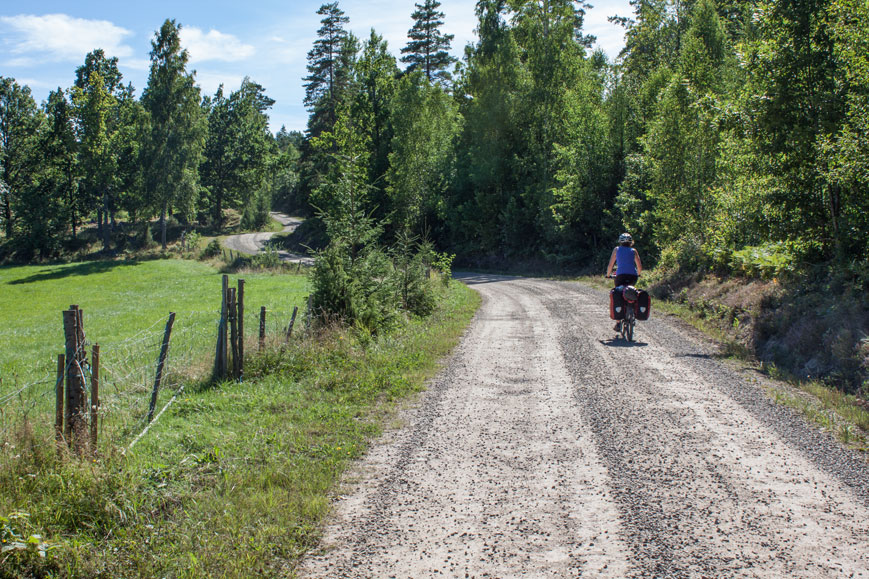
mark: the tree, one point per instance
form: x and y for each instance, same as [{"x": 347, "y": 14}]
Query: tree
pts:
[
  {"x": 376, "y": 82},
  {"x": 96, "y": 61},
  {"x": 284, "y": 170},
  {"x": 177, "y": 127},
  {"x": 237, "y": 148},
  {"x": 44, "y": 209},
  {"x": 426, "y": 122},
  {"x": 552, "y": 49},
  {"x": 325, "y": 74},
  {"x": 20, "y": 123},
  {"x": 847, "y": 152},
  {"x": 683, "y": 139},
  {"x": 800, "y": 104},
  {"x": 61, "y": 151},
  {"x": 96, "y": 96},
  {"x": 94, "y": 111},
  {"x": 486, "y": 180},
  {"x": 428, "y": 48}
]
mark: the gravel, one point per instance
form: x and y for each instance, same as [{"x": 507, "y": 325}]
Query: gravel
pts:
[{"x": 548, "y": 448}]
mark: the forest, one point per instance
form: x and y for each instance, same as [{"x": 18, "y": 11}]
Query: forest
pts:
[{"x": 725, "y": 135}]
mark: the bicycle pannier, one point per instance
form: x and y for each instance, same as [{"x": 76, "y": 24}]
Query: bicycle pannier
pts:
[
  {"x": 617, "y": 304},
  {"x": 644, "y": 305}
]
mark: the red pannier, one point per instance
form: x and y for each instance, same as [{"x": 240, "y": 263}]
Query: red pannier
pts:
[
  {"x": 644, "y": 305},
  {"x": 617, "y": 304}
]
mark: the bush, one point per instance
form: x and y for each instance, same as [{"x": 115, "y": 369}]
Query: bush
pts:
[
  {"x": 213, "y": 249},
  {"x": 266, "y": 259},
  {"x": 352, "y": 290}
]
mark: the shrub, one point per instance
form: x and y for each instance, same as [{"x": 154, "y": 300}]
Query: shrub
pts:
[
  {"x": 213, "y": 249},
  {"x": 269, "y": 258}
]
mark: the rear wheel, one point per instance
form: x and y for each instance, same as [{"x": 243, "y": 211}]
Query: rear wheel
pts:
[{"x": 629, "y": 330}]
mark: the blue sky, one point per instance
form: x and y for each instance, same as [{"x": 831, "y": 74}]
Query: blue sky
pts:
[{"x": 41, "y": 44}]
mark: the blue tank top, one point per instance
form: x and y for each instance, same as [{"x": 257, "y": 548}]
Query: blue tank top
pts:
[{"x": 625, "y": 261}]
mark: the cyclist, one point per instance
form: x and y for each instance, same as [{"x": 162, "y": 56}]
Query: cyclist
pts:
[{"x": 628, "y": 263}]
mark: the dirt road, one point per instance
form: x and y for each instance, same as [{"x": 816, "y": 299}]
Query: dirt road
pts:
[
  {"x": 546, "y": 448},
  {"x": 253, "y": 243}
]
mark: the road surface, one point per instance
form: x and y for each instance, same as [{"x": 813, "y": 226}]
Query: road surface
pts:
[
  {"x": 253, "y": 243},
  {"x": 548, "y": 448}
]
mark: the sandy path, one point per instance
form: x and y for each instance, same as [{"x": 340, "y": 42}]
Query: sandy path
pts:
[
  {"x": 547, "y": 449},
  {"x": 253, "y": 243}
]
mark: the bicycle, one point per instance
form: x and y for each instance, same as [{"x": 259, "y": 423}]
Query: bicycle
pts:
[{"x": 630, "y": 296}]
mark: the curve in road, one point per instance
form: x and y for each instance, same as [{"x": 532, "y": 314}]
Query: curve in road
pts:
[
  {"x": 548, "y": 448},
  {"x": 253, "y": 243}
]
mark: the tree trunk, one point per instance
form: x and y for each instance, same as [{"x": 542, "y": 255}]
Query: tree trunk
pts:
[
  {"x": 218, "y": 210},
  {"x": 107, "y": 234},
  {"x": 163, "y": 225},
  {"x": 7, "y": 216}
]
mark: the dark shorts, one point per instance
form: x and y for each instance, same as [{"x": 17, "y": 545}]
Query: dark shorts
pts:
[{"x": 626, "y": 279}]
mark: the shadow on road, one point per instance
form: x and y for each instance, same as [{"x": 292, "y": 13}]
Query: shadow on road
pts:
[
  {"x": 479, "y": 278},
  {"x": 619, "y": 343}
]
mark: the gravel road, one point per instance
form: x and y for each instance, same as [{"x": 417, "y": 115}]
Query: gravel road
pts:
[
  {"x": 253, "y": 243},
  {"x": 548, "y": 448}
]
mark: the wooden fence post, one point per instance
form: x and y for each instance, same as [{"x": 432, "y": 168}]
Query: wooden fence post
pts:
[
  {"x": 95, "y": 395},
  {"x": 164, "y": 351},
  {"x": 239, "y": 375},
  {"x": 220, "y": 362},
  {"x": 58, "y": 404},
  {"x": 74, "y": 414},
  {"x": 292, "y": 321},
  {"x": 262, "y": 327},
  {"x": 233, "y": 330}
]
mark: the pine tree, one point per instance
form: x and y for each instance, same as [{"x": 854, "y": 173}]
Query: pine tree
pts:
[
  {"x": 428, "y": 47},
  {"x": 324, "y": 68}
]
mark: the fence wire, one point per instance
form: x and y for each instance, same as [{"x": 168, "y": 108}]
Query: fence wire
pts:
[{"x": 127, "y": 373}]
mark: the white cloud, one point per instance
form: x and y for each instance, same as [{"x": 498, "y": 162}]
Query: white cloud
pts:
[
  {"x": 60, "y": 37},
  {"x": 214, "y": 45},
  {"x": 137, "y": 64},
  {"x": 209, "y": 81},
  {"x": 610, "y": 37}
]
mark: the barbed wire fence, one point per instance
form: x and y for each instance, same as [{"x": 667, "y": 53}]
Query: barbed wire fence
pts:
[{"x": 127, "y": 369}]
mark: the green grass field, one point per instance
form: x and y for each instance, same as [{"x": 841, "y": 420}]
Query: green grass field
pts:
[{"x": 126, "y": 305}]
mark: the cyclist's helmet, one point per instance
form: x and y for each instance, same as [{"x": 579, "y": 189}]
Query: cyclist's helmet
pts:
[{"x": 625, "y": 239}]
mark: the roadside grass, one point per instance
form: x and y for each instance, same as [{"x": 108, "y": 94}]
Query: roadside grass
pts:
[
  {"x": 125, "y": 305},
  {"x": 845, "y": 416},
  {"x": 235, "y": 479}
]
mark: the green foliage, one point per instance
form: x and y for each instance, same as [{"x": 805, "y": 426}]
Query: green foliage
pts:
[
  {"x": 412, "y": 261},
  {"x": 425, "y": 123},
  {"x": 266, "y": 259},
  {"x": 213, "y": 249},
  {"x": 19, "y": 126},
  {"x": 768, "y": 261}
]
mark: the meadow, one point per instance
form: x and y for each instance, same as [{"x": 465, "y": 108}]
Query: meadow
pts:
[{"x": 126, "y": 305}]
